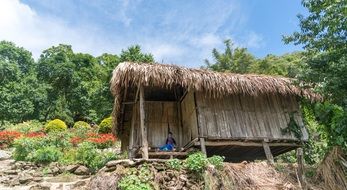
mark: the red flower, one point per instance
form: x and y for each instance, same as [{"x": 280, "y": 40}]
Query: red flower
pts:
[
  {"x": 35, "y": 134},
  {"x": 76, "y": 140},
  {"x": 7, "y": 137}
]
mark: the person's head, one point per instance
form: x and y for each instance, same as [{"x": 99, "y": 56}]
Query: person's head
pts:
[{"x": 170, "y": 134}]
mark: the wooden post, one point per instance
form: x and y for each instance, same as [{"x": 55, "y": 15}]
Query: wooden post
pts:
[
  {"x": 268, "y": 153},
  {"x": 300, "y": 160},
  {"x": 132, "y": 128},
  {"x": 203, "y": 147},
  {"x": 143, "y": 125}
]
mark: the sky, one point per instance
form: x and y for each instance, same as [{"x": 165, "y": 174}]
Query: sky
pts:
[{"x": 175, "y": 31}]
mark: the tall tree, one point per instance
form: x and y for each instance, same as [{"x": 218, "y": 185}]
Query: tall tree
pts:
[
  {"x": 324, "y": 35},
  {"x": 134, "y": 54},
  {"x": 236, "y": 60}
]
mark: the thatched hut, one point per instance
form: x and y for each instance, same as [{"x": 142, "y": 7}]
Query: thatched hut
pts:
[{"x": 242, "y": 117}]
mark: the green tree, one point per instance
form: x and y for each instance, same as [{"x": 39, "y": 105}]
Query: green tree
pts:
[
  {"x": 324, "y": 36},
  {"x": 20, "y": 91},
  {"x": 236, "y": 60},
  {"x": 288, "y": 65},
  {"x": 134, "y": 54}
]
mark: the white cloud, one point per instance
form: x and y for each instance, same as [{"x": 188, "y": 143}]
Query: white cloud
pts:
[
  {"x": 254, "y": 40},
  {"x": 22, "y": 25}
]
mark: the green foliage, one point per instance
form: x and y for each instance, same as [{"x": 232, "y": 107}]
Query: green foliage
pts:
[
  {"x": 25, "y": 146},
  {"x": 134, "y": 54},
  {"x": 45, "y": 154},
  {"x": 216, "y": 161},
  {"x": 55, "y": 125},
  {"x": 323, "y": 35},
  {"x": 88, "y": 155},
  {"x": 137, "y": 179},
  {"x": 81, "y": 124},
  {"x": 174, "y": 164},
  {"x": 292, "y": 127},
  {"x": 236, "y": 60},
  {"x": 133, "y": 182},
  {"x": 106, "y": 125},
  {"x": 25, "y": 127},
  {"x": 196, "y": 162}
]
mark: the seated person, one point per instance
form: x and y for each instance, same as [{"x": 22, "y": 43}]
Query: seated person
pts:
[{"x": 169, "y": 144}]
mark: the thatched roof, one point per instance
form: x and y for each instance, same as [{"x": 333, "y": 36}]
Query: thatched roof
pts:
[{"x": 214, "y": 83}]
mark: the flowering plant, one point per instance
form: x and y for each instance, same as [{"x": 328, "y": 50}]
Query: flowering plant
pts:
[{"x": 7, "y": 137}]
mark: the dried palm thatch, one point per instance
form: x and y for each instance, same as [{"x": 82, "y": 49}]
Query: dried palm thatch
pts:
[
  {"x": 213, "y": 83},
  {"x": 332, "y": 170}
]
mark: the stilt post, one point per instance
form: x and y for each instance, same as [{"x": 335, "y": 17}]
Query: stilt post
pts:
[
  {"x": 301, "y": 174},
  {"x": 202, "y": 145},
  {"x": 143, "y": 126},
  {"x": 268, "y": 153}
]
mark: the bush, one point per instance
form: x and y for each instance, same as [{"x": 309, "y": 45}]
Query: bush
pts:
[
  {"x": 55, "y": 125},
  {"x": 59, "y": 139},
  {"x": 26, "y": 127},
  {"x": 24, "y": 146},
  {"x": 81, "y": 124},
  {"x": 196, "y": 162},
  {"x": 216, "y": 161},
  {"x": 87, "y": 155},
  {"x": 174, "y": 164},
  {"x": 7, "y": 137},
  {"x": 46, "y": 154},
  {"x": 106, "y": 125}
]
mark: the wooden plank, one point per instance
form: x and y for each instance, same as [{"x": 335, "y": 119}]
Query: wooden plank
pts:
[
  {"x": 164, "y": 153},
  {"x": 239, "y": 143},
  {"x": 143, "y": 125},
  {"x": 268, "y": 153}
]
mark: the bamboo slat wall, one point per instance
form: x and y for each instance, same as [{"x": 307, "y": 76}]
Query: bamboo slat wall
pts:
[
  {"x": 189, "y": 122},
  {"x": 160, "y": 117},
  {"x": 243, "y": 116}
]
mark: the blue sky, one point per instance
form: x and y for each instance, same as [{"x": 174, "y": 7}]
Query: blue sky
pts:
[{"x": 180, "y": 32}]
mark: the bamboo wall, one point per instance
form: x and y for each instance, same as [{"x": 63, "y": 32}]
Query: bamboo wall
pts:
[
  {"x": 241, "y": 116},
  {"x": 160, "y": 118},
  {"x": 189, "y": 122}
]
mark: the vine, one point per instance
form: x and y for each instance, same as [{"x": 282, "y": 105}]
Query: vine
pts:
[{"x": 292, "y": 127}]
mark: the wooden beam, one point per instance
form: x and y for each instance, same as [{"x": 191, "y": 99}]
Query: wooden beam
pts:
[
  {"x": 268, "y": 153},
  {"x": 134, "y": 102},
  {"x": 143, "y": 127},
  {"x": 184, "y": 95},
  {"x": 167, "y": 153},
  {"x": 203, "y": 147},
  {"x": 300, "y": 173},
  {"x": 240, "y": 143},
  {"x": 131, "y": 153}
]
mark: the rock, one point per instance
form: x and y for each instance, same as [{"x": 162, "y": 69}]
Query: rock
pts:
[
  {"x": 122, "y": 162},
  {"x": 11, "y": 172},
  {"x": 71, "y": 168},
  {"x": 42, "y": 186},
  {"x": 4, "y": 155},
  {"x": 14, "y": 182},
  {"x": 79, "y": 184},
  {"x": 25, "y": 179},
  {"x": 37, "y": 179},
  {"x": 81, "y": 170},
  {"x": 55, "y": 170},
  {"x": 37, "y": 174}
]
